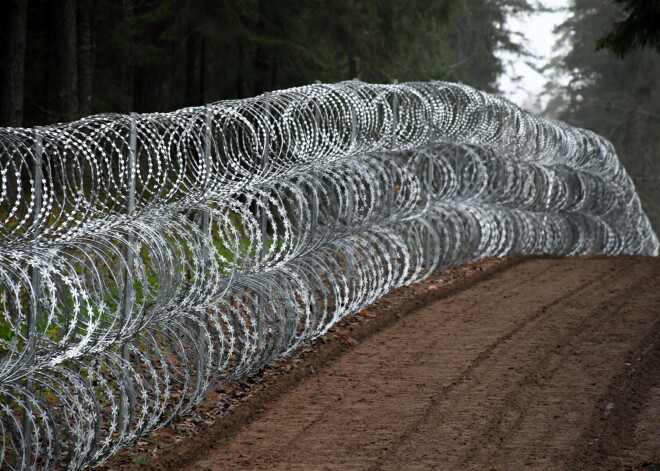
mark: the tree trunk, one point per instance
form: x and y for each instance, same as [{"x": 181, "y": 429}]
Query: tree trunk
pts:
[
  {"x": 264, "y": 58},
  {"x": 202, "y": 72},
  {"x": 85, "y": 58},
  {"x": 12, "y": 57},
  {"x": 64, "y": 71},
  {"x": 353, "y": 64},
  {"x": 263, "y": 66},
  {"x": 240, "y": 76},
  {"x": 127, "y": 76},
  {"x": 191, "y": 91}
]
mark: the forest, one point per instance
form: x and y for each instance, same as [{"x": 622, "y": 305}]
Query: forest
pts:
[
  {"x": 92, "y": 56},
  {"x": 617, "y": 97},
  {"x": 66, "y": 59}
]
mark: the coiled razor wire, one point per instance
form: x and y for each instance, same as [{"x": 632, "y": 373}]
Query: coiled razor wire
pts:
[{"x": 145, "y": 259}]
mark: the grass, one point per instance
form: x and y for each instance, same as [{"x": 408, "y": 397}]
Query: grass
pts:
[
  {"x": 143, "y": 290},
  {"x": 140, "y": 460}
]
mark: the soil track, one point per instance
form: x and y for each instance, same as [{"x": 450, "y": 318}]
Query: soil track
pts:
[{"x": 551, "y": 364}]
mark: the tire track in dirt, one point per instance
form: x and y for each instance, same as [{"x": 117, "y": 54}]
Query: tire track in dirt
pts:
[
  {"x": 538, "y": 377},
  {"x": 631, "y": 402},
  {"x": 510, "y": 374},
  {"x": 502, "y": 347}
]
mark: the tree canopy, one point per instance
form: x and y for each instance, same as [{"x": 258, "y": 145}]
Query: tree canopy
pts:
[
  {"x": 90, "y": 56},
  {"x": 619, "y": 99},
  {"x": 639, "y": 29}
]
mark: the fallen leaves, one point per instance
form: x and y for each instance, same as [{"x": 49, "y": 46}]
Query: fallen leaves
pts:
[{"x": 350, "y": 340}]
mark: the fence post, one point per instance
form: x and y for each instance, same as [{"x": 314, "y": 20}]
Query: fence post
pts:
[
  {"x": 207, "y": 174},
  {"x": 348, "y": 258},
  {"x": 314, "y": 215},
  {"x": 35, "y": 282},
  {"x": 315, "y": 203},
  {"x": 395, "y": 114},
  {"x": 395, "y": 124},
  {"x": 429, "y": 193},
  {"x": 206, "y": 228},
  {"x": 263, "y": 225},
  {"x": 127, "y": 308}
]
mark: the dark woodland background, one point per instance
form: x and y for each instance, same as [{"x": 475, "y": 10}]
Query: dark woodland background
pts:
[
  {"x": 92, "y": 56},
  {"x": 65, "y": 59}
]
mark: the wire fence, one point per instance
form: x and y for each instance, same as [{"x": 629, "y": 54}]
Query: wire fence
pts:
[{"x": 145, "y": 259}]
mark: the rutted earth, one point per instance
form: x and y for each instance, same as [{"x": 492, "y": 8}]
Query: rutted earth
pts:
[{"x": 548, "y": 364}]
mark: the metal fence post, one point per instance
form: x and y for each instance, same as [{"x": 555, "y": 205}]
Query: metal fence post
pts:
[
  {"x": 207, "y": 175},
  {"x": 127, "y": 307},
  {"x": 395, "y": 114},
  {"x": 348, "y": 258},
  {"x": 205, "y": 228},
  {"x": 315, "y": 203},
  {"x": 314, "y": 215},
  {"x": 395, "y": 124},
  {"x": 37, "y": 175},
  {"x": 429, "y": 193},
  {"x": 263, "y": 225}
]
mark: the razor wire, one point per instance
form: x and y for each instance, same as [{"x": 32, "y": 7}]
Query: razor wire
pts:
[{"x": 146, "y": 259}]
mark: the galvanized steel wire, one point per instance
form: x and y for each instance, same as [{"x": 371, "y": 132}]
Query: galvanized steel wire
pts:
[{"x": 144, "y": 259}]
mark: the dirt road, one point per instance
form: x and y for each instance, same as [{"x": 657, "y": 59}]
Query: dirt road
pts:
[{"x": 549, "y": 365}]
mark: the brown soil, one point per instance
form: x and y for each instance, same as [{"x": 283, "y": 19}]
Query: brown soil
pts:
[{"x": 542, "y": 364}]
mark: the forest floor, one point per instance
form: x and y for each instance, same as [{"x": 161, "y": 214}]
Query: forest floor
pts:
[{"x": 534, "y": 363}]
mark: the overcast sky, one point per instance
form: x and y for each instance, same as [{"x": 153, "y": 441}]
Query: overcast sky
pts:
[{"x": 538, "y": 37}]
